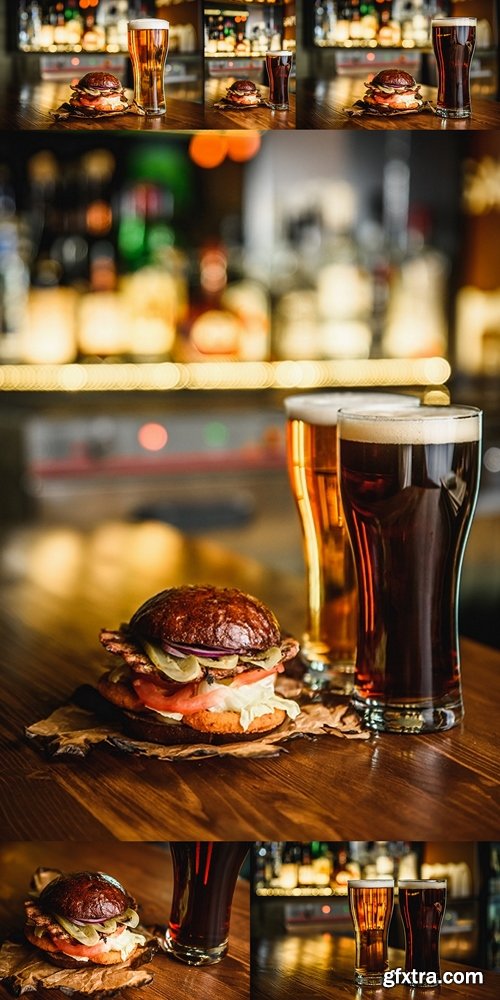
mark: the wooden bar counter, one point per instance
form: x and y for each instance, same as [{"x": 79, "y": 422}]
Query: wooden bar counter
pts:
[
  {"x": 28, "y": 108},
  {"x": 59, "y": 586},
  {"x": 322, "y": 105},
  {"x": 146, "y": 873},
  {"x": 321, "y": 967}
]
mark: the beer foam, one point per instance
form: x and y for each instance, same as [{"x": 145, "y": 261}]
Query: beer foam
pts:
[
  {"x": 323, "y": 407},
  {"x": 454, "y": 22},
  {"x": 371, "y": 883},
  {"x": 144, "y": 23},
  {"x": 422, "y": 883},
  {"x": 428, "y": 425}
]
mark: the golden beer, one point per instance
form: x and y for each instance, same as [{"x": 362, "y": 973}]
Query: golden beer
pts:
[
  {"x": 148, "y": 47},
  {"x": 329, "y": 644},
  {"x": 371, "y": 903}
]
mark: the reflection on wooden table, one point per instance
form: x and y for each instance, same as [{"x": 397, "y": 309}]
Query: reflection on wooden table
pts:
[
  {"x": 59, "y": 586},
  {"x": 321, "y": 967},
  {"x": 146, "y": 873}
]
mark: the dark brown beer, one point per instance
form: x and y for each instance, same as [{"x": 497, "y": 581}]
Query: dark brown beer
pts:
[
  {"x": 371, "y": 903},
  {"x": 422, "y": 905},
  {"x": 454, "y": 41},
  {"x": 409, "y": 484},
  {"x": 278, "y": 66},
  {"x": 205, "y": 876}
]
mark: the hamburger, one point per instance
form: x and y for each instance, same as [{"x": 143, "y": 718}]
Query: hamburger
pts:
[
  {"x": 393, "y": 90},
  {"x": 86, "y": 918},
  {"x": 243, "y": 93},
  {"x": 98, "y": 93},
  {"x": 199, "y": 662}
]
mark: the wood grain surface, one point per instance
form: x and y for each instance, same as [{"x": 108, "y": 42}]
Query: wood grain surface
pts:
[
  {"x": 59, "y": 586},
  {"x": 321, "y": 104},
  {"x": 145, "y": 871},
  {"x": 29, "y": 107},
  {"x": 321, "y": 967}
]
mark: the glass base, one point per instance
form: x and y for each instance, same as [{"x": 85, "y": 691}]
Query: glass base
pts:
[
  {"x": 191, "y": 955},
  {"x": 321, "y": 676},
  {"x": 279, "y": 107},
  {"x": 452, "y": 113},
  {"x": 405, "y": 717},
  {"x": 369, "y": 978}
]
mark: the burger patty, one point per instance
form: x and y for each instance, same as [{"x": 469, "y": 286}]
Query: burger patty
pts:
[
  {"x": 35, "y": 916},
  {"x": 120, "y": 643}
]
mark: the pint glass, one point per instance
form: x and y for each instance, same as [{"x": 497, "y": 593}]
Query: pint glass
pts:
[
  {"x": 409, "y": 483},
  {"x": 148, "y": 47},
  {"x": 205, "y": 876},
  {"x": 422, "y": 904},
  {"x": 328, "y": 647},
  {"x": 371, "y": 903},
  {"x": 278, "y": 66},
  {"x": 453, "y": 41}
]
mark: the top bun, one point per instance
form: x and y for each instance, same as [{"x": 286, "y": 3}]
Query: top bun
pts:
[
  {"x": 243, "y": 87},
  {"x": 210, "y": 617},
  {"x": 99, "y": 81},
  {"x": 396, "y": 78},
  {"x": 85, "y": 896}
]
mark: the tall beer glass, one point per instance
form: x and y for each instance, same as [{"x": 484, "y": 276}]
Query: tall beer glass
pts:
[
  {"x": 205, "y": 876},
  {"x": 371, "y": 902},
  {"x": 422, "y": 904},
  {"x": 454, "y": 41},
  {"x": 148, "y": 47},
  {"x": 329, "y": 645},
  {"x": 409, "y": 483}
]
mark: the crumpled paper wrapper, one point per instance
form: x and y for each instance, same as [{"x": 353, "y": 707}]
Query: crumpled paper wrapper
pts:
[
  {"x": 86, "y": 721},
  {"x": 360, "y": 108},
  {"x": 66, "y": 111},
  {"x": 22, "y": 970},
  {"x": 224, "y": 105}
]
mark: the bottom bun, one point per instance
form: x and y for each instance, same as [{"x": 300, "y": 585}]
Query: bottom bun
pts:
[
  {"x": 228, "y": 723},
  {"x": 151, "y": 728}
]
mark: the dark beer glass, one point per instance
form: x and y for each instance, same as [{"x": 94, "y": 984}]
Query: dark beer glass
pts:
[
  {"x": 454, "y": 41},
  {"x": 328, "y": 648},
  {"x": 148, "y": 48},
  {"x": 422, "y": 904},
  {"x": 278, "y": 66},
  {"x": 205, "y": 876},
  {"x": 371, "y": 902},
  {"x": 409, "y": 483}
]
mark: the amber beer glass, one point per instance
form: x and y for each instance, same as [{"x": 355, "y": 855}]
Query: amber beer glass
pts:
[
  {"x": 205, "y": 875},
  {"x": 371, "y": 902},
  {"x": 148, "y": 47},
  {"x": 422, "y": 904},
  {"x": 409, "y": 483},
  {"x": 328, "y": 647},
  {"x": 278, "y": 65},
  {"x": 454, "y": 41}
]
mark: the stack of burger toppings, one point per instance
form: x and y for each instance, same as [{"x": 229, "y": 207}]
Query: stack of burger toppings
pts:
[
  {"x": 393, "y": 90},
  {"x": 85, "y": 917},
  {"x": 98, "y": 93},
  {"x": 199, "y": 658},
  {"x": 243, "y": 93}
]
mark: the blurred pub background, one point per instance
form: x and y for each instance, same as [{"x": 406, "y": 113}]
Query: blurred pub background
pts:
[
  {"x": 301, "y": 889},
  {"x": 159, "y": 299}
]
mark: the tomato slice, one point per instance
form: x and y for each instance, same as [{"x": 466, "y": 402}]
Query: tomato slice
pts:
[
  {"x": 83, "y": 950},
  {"x": 186, "y": 699}
]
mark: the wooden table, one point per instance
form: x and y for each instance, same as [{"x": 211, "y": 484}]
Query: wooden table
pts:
[
  {"x": 252, "y": 118},
  {"x": 58, "y": 586},
  {"x": 321, "y": 967},
  {"x": 29, "y": 107},
  {"x": 321, "y": 105},
  {"x": 145, "y": 871}
]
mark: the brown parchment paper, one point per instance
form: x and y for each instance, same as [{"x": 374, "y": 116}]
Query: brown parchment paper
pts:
[
  {"x": 22, "y": 970},
  {"x": 85, "y": 722},
  {"x": 361, "y": 107}
]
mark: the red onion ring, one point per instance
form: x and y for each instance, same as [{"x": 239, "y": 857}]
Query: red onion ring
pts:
[{"x": 208, "y": 654}]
